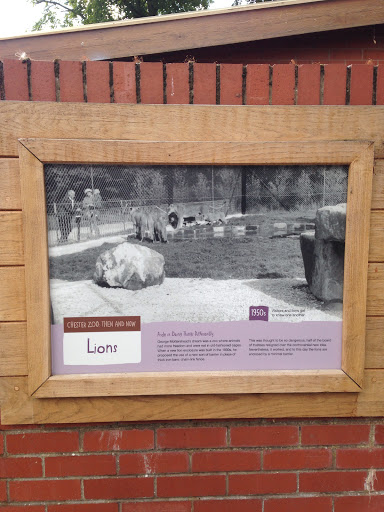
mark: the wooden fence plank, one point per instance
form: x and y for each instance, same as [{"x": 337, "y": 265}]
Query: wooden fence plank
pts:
[
  {"x": 43, "y": 82},
  {"x": 204, "y": 83},
  {"x": 10, "y": 198},
  {"x": 19, "y": 408},
  {"x": 124, "y": 82},
  {"x": 231, "y": 84},
  {"x": 380, "y": 85},
  {"x": 335, "y": 84},
  {"x": 12, "y": 294},
  {"x": 151, "y": 82},
  {"x": 71, "y": 81},
  {"x": 376, "y": 237},
  {"x": 375, "y": 295},
  {"x": 257, "y": 86},
  {"x": 177, "y": 83},
  {"x": 361, "y": 84},
  {"x": 374, "y": 353},
  {"x": 13, "y": 349},
  {"x": 15, "y": 80},
  {"x": 283, "y": 84},
  {"x": 185, "y": 122},
  {"x": 11, "y": 238},
  {"x": 308, "y": 87},
  {"x": 98, "y": 89}
]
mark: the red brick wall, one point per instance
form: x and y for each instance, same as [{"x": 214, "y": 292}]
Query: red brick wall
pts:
[
  {"x": 199, "y": 83},
  {"x": 241, "y": 466}
]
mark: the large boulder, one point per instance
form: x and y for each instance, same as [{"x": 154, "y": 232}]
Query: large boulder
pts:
[
  {"x": 330, "y": 223},
  {"x": 323, "y": 253},
  {"x": 328, "y": 271},
  {"x": 307, "y": 245},
  {"x": 129, "y": 266}
]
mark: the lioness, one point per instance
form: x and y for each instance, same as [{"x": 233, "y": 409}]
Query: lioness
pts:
[{"x": 143, "y": 222}]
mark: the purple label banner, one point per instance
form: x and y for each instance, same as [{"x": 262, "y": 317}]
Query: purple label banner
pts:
[{"x": 243, "y": 345}]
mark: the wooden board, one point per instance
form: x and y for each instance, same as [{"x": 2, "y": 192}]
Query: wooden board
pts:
[
  {"x": 10, "y": 184},
  {"x": 18, "y": 407},
  {"x": 215, "y": 153},
  {"x": 11, "y": 239},
  {"x": 13, "y": 349},
  {"x": 194, "y": 30},
  {"x": 36, "y": 268},
  {"x": 12, "y": 294},
  {"x": 374, "y": 348},
  {"x": 188, "y": 122}
]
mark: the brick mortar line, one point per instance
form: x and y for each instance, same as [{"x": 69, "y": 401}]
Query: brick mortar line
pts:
[
  {"x": 183, "y": 474},
  {"x": 234, "y": 497},
  {"x": 192, "y": 450}
]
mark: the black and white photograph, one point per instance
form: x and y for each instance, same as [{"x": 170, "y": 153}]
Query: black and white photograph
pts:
[{"x": 196, "y": 243}]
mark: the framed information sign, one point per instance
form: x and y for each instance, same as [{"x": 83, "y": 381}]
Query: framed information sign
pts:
[{"x": 165, "y": 268}]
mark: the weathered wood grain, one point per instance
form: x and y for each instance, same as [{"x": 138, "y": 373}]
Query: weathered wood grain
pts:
[
  {"x": 11, "y": 239},
  {"x": 12, "y": 294},
  {"x": 189, "y": 30},
  {"x": 13, "y": 349},
  {"x": 374, "y": 342},
  {"x": 10, "y": 184},
  {"x": 216, "y": 153},
  {"x": 355, "y": 263},
  {"x": 36, "y": 268},
  {"x": 188, "y": 122},
  {"x": 18, "y": 407}
]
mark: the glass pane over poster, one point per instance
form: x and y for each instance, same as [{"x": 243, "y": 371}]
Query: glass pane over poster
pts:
[{"x": 195, "y": 268}]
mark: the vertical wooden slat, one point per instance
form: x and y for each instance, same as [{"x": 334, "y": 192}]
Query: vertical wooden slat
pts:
[
  {"x": 43, "y": 84},
  {"x": 124, "y": 82},
  {"x": 98, "y": 88},
  {"x": 283, "y": 84},
  {"x": 380, "y": 85},
  {"x": 36, "y": 268},
  {"x": 11, "y": 239},
  {"x": 231, "y": 84},
  {"x": 71, "y": 81},
  {"x": 204, "y": 84},
  {"x": 151, "y": 82},
  {"x": 13, "y": 348},
  {"x": 15, "y": 80},
  {"x": 308, "y": 87},
  {"x": 257, "y": 86},
  {"x": 361, "y": 84},
  {"x": 335, "y": 84},
  {"x": 10, "y": 198},
  {"x": 12, "y": 294},
  {"x": 178, "y": 83}
]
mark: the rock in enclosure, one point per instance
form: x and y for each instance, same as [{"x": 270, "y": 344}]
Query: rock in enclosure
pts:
[{"x": 129, "y": 266}]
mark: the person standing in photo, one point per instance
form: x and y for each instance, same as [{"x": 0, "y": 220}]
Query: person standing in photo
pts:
[
  {"x": 65, "y": 214},
  {"x": 89, "y": 212},
  {"x": 97, "y": 201}
]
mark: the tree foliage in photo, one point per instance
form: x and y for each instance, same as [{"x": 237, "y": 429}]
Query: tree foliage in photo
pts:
[{"x": 67, "y": 13}]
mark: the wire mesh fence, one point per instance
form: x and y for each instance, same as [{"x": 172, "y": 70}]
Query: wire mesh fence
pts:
[{"x": 92, "y": 201}]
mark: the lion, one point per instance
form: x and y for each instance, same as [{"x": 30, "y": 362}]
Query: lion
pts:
[
  {"x": 143, "y": 222},
  {"x": 159, "y": 225}
]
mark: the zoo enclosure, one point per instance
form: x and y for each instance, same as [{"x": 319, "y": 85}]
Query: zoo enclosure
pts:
[{"x": 232, "y": 189}]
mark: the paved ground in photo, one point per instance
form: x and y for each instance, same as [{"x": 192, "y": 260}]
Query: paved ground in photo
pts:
[{"x": 188, "y": 299}]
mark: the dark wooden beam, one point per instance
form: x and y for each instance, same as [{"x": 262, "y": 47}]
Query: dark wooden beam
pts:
[{"x": 194, "y": 30}]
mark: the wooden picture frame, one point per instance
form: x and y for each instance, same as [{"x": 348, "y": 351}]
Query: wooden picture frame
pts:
[{"x": 34, "y": 153}]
